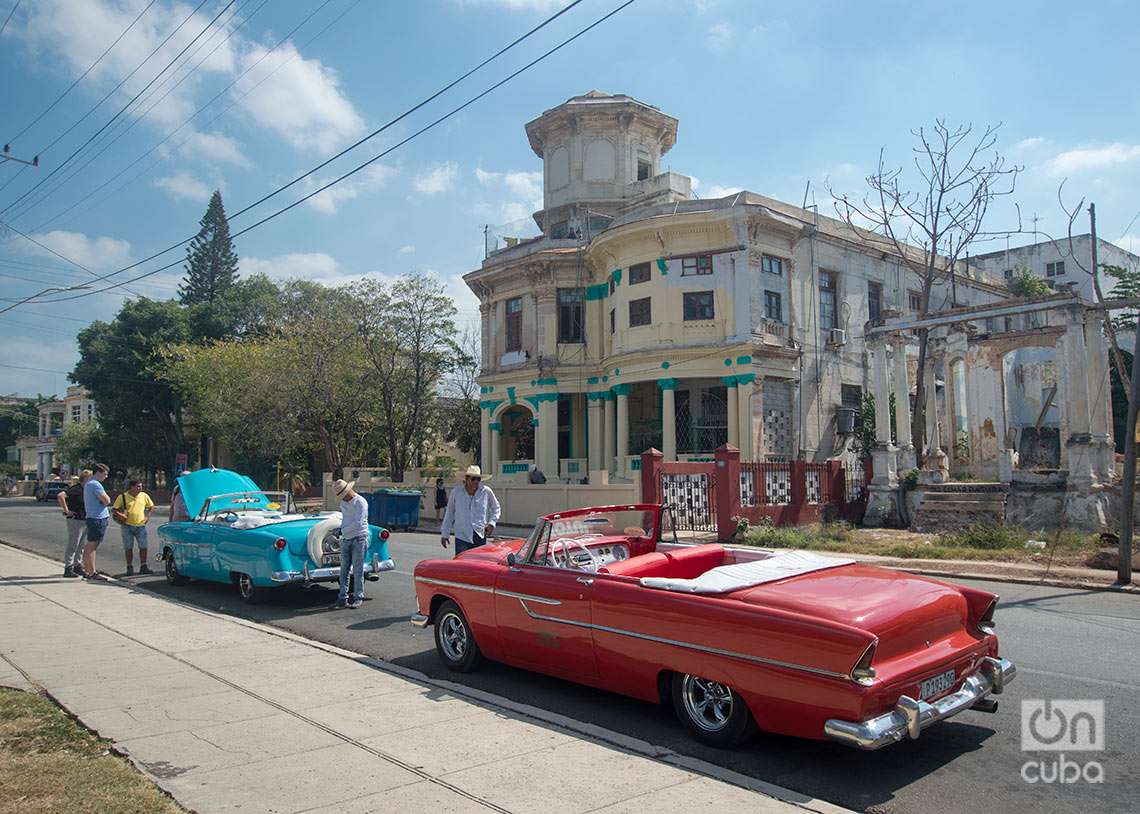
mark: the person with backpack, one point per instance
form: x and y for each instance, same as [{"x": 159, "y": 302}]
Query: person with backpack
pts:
[
  {"x": 131, "y": 511},
  {"x": 71, "y": 502}
]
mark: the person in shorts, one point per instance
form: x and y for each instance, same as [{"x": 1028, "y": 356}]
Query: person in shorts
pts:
[
  {"x": 95, "y": 503},
  {"x": 71, "y": 502},
  {"x": 135, "y": 505}
]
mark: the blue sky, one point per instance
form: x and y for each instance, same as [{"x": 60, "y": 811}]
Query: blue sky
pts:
[{"x": 769, "y": 96}]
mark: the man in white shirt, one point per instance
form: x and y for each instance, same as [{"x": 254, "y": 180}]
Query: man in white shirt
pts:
[
  {"x": 472, "y": 512},
  {"x": 354, "y": 535}
]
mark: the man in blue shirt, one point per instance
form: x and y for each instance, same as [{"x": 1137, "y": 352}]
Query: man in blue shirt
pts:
[
  {"x": 472, "y": 511},
  {"x": 354, "y": 535},
  {"x": 95, "y": 503}
]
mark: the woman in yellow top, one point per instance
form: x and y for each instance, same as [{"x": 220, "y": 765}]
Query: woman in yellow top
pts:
[{"x": 132, "y": 510}]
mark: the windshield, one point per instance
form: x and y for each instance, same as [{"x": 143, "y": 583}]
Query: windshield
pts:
[
  {"x": 250, "y": 502},
  {"x": 623, "y": 522}
]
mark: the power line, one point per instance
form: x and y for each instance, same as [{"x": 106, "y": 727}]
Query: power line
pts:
[
  {"x": 83, "y": 75},
  {"x": 357, "y": 169},
  {"x": 99, "y": 150},
  {"x": 9, "y": 17},
  {"x": 63, "y": 257},
  {"x": 121, "y": 110},
  {"x": 195, "y": 114}
]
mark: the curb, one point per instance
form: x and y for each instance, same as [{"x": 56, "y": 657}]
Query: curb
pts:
[{"x": 591, "y": 731}]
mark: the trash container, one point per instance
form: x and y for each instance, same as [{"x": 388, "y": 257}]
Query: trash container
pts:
[{"x": 397, "y": 508}]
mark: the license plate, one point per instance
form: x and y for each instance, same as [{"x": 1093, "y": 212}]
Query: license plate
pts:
[{"x": 936, "y": 685}]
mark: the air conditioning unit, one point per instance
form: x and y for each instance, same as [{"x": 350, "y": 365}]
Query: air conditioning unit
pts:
[{"x": 838, "y": 337}]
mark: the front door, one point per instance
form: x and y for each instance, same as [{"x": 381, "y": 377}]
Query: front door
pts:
[
  {"x": 543, "y": 617},
  {"x": 196, "y": 543}
]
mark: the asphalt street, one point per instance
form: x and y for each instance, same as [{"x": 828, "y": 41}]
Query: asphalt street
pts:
[{"x": 1066, "y": 643}]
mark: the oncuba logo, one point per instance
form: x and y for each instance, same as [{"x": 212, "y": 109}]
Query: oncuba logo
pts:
[{"x": 1062, "y": 725}]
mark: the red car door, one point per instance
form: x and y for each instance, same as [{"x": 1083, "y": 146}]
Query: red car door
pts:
[{"x": 543, "y": 618}]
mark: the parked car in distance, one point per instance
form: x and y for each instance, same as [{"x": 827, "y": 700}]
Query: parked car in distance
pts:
[
  {"x": 736, "y": 639},
  {"x": 50, "y": 489},
  {"x": 256, "y": 539}
]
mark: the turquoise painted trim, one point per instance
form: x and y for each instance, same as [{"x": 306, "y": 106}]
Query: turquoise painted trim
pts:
[
  {"x": 667, "y": 384},
  {"x": 545, "y": 382},
  {"x": 728, "y": 362},
  {"x": 592, "y": 380},
  {"x": 622, "y": 389},
  {"x": 635, "y": 465},
  {"x": 511, "y": 395},
  {"x": 510, "y": 469},
  {"x": 598, "y": 291},
  {"x": 496, "y": 426},
  {"x": 605, "y": 378},
  {"x": 490, "y": 404},
  {"x": 746, "y": 378},
  {"x": 729, "y": 381},
  {"x": 664, "y": 365},
  {"x": 663, "y": 265},
  {"x": 607, "y": 395},
  {"x": 534, "y": 422},
  {"x": 743, "y": 360},
  {"x": 615, "y": 275},
  {"x": 539, "y": 398}
]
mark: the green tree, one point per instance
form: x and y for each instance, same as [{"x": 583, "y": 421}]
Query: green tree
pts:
[
  {"x": 80, "y": 444},
  {"x": 461, "y": 390},
  {"x": 1024, "y": 283},
  {"x": 1126, "y": 285},
  {"x": 211, "y": 263},
  {"x": 141, "y": 416},
  {"x": 250, "y": 307},
  {"x": 19, "y": 419},
  {"x": 408, "y": 333}
]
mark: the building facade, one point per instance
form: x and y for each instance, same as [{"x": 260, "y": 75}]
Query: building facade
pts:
[
  {"x": 1060, "y": 263},
  {"x": 645, "y": 317},
  {"x": 37, "y": 453}
]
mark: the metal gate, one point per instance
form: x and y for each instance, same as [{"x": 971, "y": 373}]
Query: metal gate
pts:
[{"x": 691, "y": 496}]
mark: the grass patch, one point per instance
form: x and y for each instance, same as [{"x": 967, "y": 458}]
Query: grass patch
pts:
[
  {"x": 48, "y": 762},
  {"x": 977, "y": 542}
]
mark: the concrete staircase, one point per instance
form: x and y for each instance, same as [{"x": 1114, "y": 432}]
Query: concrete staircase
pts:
[{"x": 946, "y": 506}]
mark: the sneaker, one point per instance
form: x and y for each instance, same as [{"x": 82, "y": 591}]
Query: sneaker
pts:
[
  {"x": 78, "y": 569},
  {"x": 130, "y": 570},
  {"x": 145, "y": 569},
  {"x": 95, "y": 576},
  {"x": 340, "y": 604},
  {"x": 69, "y": 572},
  {"x": 356, "y": 603}
]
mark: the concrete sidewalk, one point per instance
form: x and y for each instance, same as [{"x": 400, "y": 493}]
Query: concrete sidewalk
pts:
[{"x": 227, "y": 715}]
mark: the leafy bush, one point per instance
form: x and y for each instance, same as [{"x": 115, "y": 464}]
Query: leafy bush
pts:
[
  {"x": 815, "y": 537},
  {"x": 909, "y": 480},
  {"x": 987, "y": 537}
]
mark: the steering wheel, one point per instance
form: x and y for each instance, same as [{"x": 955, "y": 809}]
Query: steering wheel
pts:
[
  {"x": 226, "y": 517},
  {"x": 570, "y": 563}
]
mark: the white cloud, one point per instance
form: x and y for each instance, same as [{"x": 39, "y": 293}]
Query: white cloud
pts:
[
  {"x": 70, "y": 35},
  {"x": 518, "y": 5},
  {"x": 718, "y": 191},
  {"x": 216, "y": 147},
  {"x": 98, "y": 253},
  {"x": 302, "y": 102},
  {"x": 1130, "y": 243},
  {"x": 519, "y": 193},
  {"x": 316, "y": 266},
  {"x": 719, "y": 35},
  {"x": 1027, "y": 144},
  {"x": 437, "y": 180},
  {"x": 367, "y": 180},
  {"x": 1093, "y": 158},
  {"x": 409, "y": 249},
  {"x": 182, "y": 185}
]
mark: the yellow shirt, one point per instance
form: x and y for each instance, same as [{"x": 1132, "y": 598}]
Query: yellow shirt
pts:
[{"x": 135, "y": 507}]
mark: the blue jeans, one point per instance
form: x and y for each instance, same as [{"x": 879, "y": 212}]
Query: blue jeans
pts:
[
  {"x": 463, "y": 545},
  {"x": 352, "y": 555}
]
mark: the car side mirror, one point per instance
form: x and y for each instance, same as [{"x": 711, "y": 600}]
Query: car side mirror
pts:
[{"x": 512, "y": 560}]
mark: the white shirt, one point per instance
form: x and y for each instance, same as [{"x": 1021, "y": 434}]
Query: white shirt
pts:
[
  {"x": 353, "y": 518},
  {"x": 468, "y": 514}
]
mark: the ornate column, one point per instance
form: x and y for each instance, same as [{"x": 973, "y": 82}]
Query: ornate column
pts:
[
  {"x": 596, "y": 432},
  {"x": 745, "y": 386},
  {"x": 935, "y": 464},
  {"x": 668, "y": 419},
  {"x": 609, "y": 434},
  {"x": 546, "y": 321},
  {"x": 882, "y": 504},
  {"x": 621, "y": 394},
  {"x": 1076, "y": 381},
  {"x": 546, "y": 437},
  {"x": 906, "y": 457},
  {"x": 733, "y": 410},
  {"x": 1100, "y": 396},
  {"x": 496, "y": 432},
  {"x": 485, "y": 440}
]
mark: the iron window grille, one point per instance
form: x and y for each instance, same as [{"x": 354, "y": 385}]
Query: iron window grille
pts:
[
  {"x": 571, "y": 315},
  {"x": 640, "y": 312}
]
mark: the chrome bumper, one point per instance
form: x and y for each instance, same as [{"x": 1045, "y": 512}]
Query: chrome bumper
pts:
[
  {"x": 910, "y": 717},
  {"x": 419, "y": 620},
  {"x": 371, "y": 570}
]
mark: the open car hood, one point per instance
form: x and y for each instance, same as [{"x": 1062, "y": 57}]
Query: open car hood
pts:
[{"x": 198, "y": 486}]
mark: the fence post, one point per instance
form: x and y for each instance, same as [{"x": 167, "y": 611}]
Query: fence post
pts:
[
  {"x": 838, "y": 481},
  {"x": 726, "y": 474},
  {"x": 651, "y": 475},
  {"x": 798, "y": 489}
]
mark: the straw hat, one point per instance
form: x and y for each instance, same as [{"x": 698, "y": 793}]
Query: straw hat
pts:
[
  {"x": 340, "y": 487},
  {"x": 474, "y": 471}
]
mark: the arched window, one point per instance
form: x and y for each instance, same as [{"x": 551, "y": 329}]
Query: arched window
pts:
[{"x": 600, "y": 160}]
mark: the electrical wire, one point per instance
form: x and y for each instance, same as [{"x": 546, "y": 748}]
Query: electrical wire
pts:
[
  {"x": 195, "y": 114},
  {"x": 9, "y": 17},
  {"x": 351, "y": 172},
  {"x": 134, "y": 98},
  {"x": 83, "y": 75}
]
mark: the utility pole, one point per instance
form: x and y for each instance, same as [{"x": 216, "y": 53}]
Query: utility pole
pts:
[
  {"x": 1092, "y": 237},
  {"x": 1128, "y": 488},
  {"x": 7, "y": 156}
]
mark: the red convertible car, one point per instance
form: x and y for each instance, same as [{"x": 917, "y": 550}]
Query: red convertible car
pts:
[{"x": 787, "y": 641}]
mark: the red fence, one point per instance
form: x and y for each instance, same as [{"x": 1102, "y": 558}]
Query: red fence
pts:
[{"x": 710, "y": 496}]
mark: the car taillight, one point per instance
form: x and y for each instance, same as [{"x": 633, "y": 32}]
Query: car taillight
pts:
[
  {"x": 279, "y": 543},
  {"x": 863, "y": 672},
  {"x": 384, "y": 534},
  {"x": 986, "y": 623}
]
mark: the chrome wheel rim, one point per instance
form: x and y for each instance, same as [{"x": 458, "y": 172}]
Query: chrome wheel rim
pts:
[
  {"x": 171, "y": 570},
  {"x": 453, "y": 637},
  {"x": 707, "y": 703},
  {"x": 245, "y": 585}
]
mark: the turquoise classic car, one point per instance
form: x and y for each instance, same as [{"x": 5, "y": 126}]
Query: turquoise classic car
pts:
[{"x": 256, "y": 539}]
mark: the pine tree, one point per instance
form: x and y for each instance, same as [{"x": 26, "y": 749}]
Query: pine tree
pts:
[{"x": 211, "y": 263}]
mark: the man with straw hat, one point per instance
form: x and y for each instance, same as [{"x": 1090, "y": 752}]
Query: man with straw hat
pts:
[
  {"x": 472, "y": 511},
  {"x": 353, "y": 543}
]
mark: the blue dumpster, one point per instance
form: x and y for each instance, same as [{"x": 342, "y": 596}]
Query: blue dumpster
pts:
[{"x": 396, "y": 508}]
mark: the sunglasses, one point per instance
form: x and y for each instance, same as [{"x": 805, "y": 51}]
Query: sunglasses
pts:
[{"x": 473, "y": 478}]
